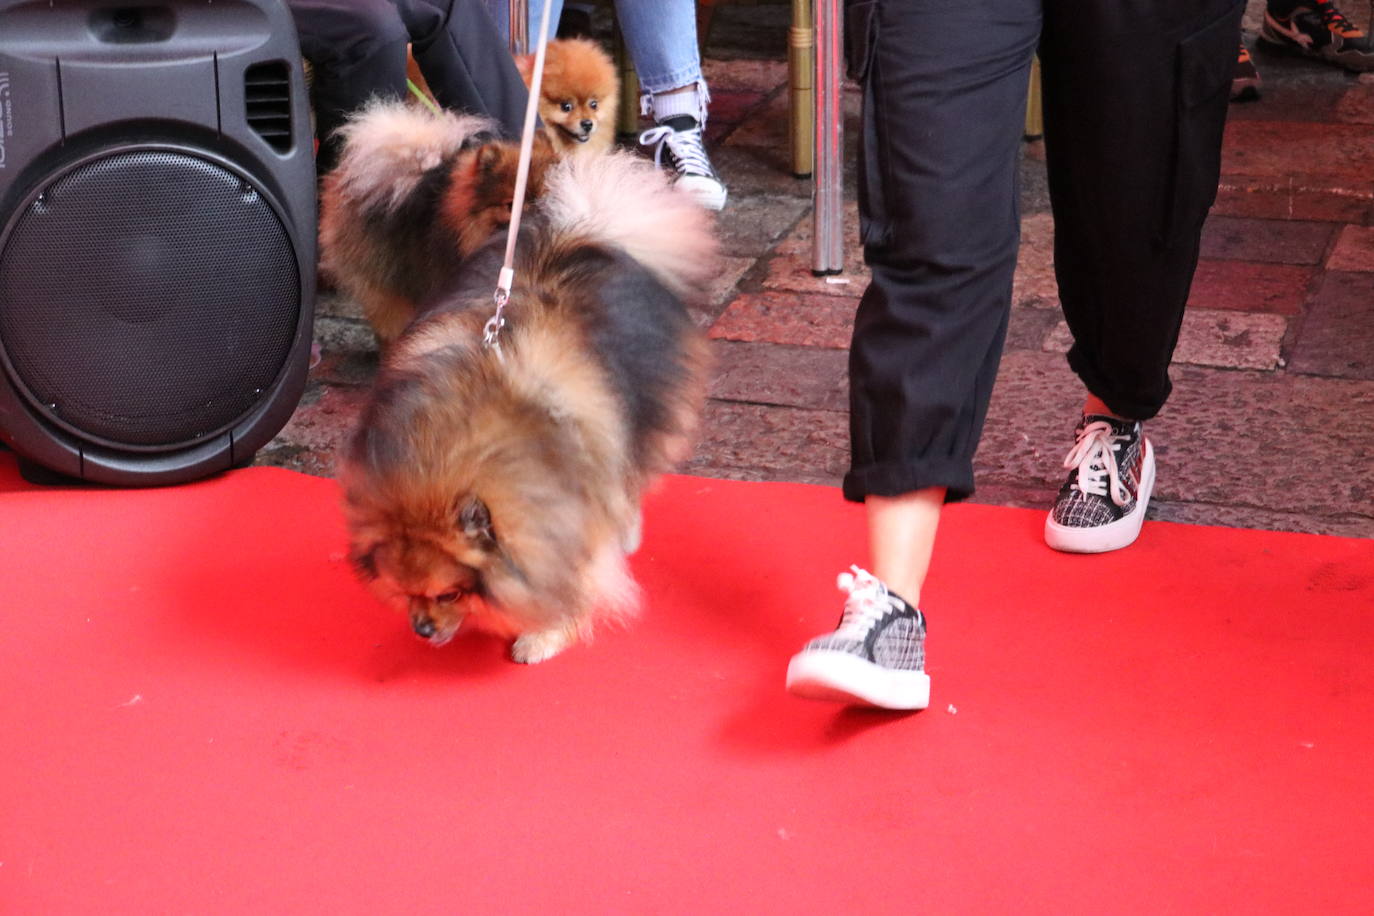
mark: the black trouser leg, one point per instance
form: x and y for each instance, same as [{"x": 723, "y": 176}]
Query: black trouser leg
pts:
[
  {"x": 1135, "y": 104},
  {"x": 357, "y": 50},
  {"x": 464, "y": 60},
  {"x": 1136, "y": 96},
  {"x": 945, "y": 86}
]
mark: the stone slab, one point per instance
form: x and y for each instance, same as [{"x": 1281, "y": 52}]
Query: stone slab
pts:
[
  {"x": 1354, "y": 250},
  {"x": 1214, "y": 337},
  {"x": 1356, "y": 104},
  {"x": 728, "y": 110},
  {"x": 337, "y": 305},
  {"x": 1337, "y": 337},
  {"x": 799, "y": 319},
  {"x": 1029, "y": 328},
  {"x": 324, "y": 420},
  {"x": 753, "y": 230},
  {"x": 743, "y": 75},
  {"x": 784, "y": 376},
  {"x": 1294, "y": 196},
  {"x": 721, "y": 291},
  {"x": 1292, "y": 90},
  {"x": 1230, "y": 515},
  {"x": 1034, "y": 284},
  {"x": 748, "y": 171},
  {"x": 1272, "y": 148},
  {"x": 769, "y": 125},
  {"x": 348, "y": 351},
  {"x": 1251, "y": 286},
  {"x": 771, "y": 443},
  {"x": 1275, "y": 441},
  {"x": 790, "y": 266},
  {"x": 1035, "y": 182},
  {"x": 1267, "y": 240}
]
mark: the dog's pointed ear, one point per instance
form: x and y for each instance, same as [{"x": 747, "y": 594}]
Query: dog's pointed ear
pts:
[
  {"x": 489, "y": 157},
  {"x": 474, "y": 520}
]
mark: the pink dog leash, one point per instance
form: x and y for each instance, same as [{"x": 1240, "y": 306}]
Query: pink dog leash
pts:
[{"x": 491, "y": 332}]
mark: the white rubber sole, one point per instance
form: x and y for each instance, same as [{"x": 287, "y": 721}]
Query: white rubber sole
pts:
[
  {"x": 707, "y": 192},
  {"x": 844, "y": 678},
  {"x": 1114, "y": 535}
]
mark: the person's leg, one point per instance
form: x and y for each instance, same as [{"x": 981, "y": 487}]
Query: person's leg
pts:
[
  {"x": 1135, "y": 102},
  {"x": 356, "y": 49},
  {"x": 939, "y": 212},
  {"x": 500, "y": 14},
  {"x": 661, "y": 37},
  {"x": 901, "y": 538},
  {"x": 467, "y": 66}
]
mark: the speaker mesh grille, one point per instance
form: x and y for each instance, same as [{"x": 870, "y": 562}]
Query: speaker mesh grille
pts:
[{"x": 148, "y": 298}]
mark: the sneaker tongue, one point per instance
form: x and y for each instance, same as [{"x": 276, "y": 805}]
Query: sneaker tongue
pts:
[{"x": 680, "y": 122}]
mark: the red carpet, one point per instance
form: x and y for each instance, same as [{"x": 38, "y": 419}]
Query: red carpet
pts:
[{"x": 204, "y": 714}]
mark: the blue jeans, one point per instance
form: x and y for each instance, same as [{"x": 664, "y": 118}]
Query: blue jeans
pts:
[{"x": 661, "y": 36}]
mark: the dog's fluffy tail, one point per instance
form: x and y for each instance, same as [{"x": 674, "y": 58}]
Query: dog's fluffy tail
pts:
[
  {"x": 622, "y": 200},
  {"x": 388, "y": 149}
]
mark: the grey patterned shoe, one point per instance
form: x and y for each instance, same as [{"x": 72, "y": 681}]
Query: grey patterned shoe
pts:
[
  {"x": 1111, "y": 475},
  {"x": 875, "y": 658}
]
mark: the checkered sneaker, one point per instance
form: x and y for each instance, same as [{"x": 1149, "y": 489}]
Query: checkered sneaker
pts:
[
  {"x": 876, "y": 657},
  {"x": 1101, "y": 505}
]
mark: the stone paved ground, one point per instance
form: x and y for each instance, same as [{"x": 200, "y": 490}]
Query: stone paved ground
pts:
[{"x": 1272, "y": 421}]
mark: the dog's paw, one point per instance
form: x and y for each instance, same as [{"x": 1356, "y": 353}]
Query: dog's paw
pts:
[
  {"x": 634, "y": 537},
  {"x": 540, "y": 645}
]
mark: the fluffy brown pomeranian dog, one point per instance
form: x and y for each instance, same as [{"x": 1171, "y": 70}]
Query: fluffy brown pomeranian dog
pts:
[
  {"x": 578, "y": 97},
  {"x": 453, "y": 180},
  {"x": 502, "y": 486}
]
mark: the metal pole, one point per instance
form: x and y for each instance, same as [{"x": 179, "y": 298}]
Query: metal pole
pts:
[
  {"x": 1035, "y": 118},
  {"x": 827, "y": 199},
  {"x": 627, "y": 112},
  {"x": 519, "y": 26},
  {"x": 801, "y": 66}
]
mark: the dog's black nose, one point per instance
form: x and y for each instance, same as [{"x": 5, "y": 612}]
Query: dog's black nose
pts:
[
  {"x": 587, "y": 125},
  {"x": 423, "y": 626}
]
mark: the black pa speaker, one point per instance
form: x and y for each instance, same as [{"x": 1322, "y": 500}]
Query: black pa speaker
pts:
[{"x": 157, "y": 234}]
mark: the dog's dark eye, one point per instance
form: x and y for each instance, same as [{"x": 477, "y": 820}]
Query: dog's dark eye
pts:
[
  {"x": 591, "y": 103},
  {"x": 565, "y": 106},
  {"x": 448, "y": 597}
]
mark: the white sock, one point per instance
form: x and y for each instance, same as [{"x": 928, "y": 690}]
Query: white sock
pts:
[{"x": 671, "y": 105}]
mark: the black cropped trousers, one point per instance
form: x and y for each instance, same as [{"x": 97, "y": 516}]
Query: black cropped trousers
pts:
[
  {"x": 1135, "y": 97},
  {"x": 358, "y": 51}
]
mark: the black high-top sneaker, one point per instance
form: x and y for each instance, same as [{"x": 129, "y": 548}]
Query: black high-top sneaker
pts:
[
  {"x": 876, "y": 657},
  {"x": 680, "y": 147},
  {"x": 1111, "y": 474}
]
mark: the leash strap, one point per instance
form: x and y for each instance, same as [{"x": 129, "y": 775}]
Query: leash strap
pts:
[{"x": 491, "y": 333}]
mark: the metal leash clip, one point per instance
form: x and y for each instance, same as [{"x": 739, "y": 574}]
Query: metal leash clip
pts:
[{"x": 491, "y": 331}]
